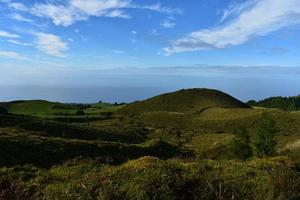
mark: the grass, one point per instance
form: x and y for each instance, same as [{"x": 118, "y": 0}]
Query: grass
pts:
[
  {"x": 55, "y": 110},
  {"x": 152, "y": 178},
  {"x": 19, "y": 148},
  {"x": 185, "y": 101}
]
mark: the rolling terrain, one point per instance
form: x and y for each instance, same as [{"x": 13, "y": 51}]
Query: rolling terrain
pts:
[{"x": 178, "y": 145}]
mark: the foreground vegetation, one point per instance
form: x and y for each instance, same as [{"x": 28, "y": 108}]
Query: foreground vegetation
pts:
[{"x": 208, "y": 146}]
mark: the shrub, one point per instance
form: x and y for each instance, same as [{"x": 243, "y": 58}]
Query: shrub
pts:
[
  {"x": 264, "y": 143},
  {"x": 240, "y": 145},
  {"x": 80, "y": 112},
  {"x": 3, "y": 111}
]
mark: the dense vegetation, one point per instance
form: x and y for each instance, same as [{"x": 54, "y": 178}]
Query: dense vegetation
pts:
[
  {"x": 284, "y": 103},
  {"x": 211, "y": 146}
]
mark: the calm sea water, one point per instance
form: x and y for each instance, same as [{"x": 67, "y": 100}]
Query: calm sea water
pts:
[{"x": 242, "y": 83}]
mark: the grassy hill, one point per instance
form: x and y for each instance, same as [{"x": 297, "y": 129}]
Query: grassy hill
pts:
[{"x": 185, "y": 101}]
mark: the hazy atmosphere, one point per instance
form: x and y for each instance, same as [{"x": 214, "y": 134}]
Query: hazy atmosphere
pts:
[{"x": 130, "y": 84}]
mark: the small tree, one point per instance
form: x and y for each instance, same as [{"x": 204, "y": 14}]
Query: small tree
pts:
[
  {"x": 264, "y": 143},
  {"x": 240, "y": 145},
  {"x": 3, "y": 111}
]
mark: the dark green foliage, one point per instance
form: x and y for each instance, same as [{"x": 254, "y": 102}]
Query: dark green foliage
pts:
[
  {"x": 240, "y": 145},
  {"x": 284, "y": 103},
  {"x": 80, "y": 112},
  {"x": 3, "y": 111},
  {"x": 63, "y": 106},
  {"x": 264, "y": 143}
]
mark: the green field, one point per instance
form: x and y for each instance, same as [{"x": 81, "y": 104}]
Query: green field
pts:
[
  {"x": 56, "y": 110},
  {"x": 173, "y": 146}
]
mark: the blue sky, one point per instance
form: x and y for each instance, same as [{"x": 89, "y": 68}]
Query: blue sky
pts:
[
  {"x": 118, "y": 33},
  {"x": 70, "y": 38}
]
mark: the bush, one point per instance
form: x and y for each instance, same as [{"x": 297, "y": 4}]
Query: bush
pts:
[
  {"x": 80, "y": 112},
  {"x": 264, "y": 143},
  {"x": 240, "y": 145},
  {"x": 3, "y": 111}
]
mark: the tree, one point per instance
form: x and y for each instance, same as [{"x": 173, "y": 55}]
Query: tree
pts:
[
  {"x": 240, "y": 145},
  {"x": 3, "y": 111},
  {"x": 264, "y": 143}
]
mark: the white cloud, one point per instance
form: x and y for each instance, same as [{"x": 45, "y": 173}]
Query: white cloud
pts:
[
  {"x": 118, "y": 51},
  {"x": 8, "y": 35},
  {"x": 12, "y": 54},
  {"x": 236, "y": 9},
  {"x": 19, "y": 43},
  {"x": 99, "y": 7},
  {"x": 117, "y": 14},
  {"x": 59, "y": 14},
  {"x": 159, "y": 8},
  {"x": 17, "y": 6},
  {"x": 168, "y": 23},
  {"x": 264, "y": 17},
  {"x": 66, "y": 14},
  {"x": 51, "y": 44},
  {"x": 133, "y": 32},
  {"x": 19, "y": 17},
  {"x": 153, "y": 32}
]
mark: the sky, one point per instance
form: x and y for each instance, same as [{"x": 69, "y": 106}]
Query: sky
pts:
[{"x": 121, "y": 43}]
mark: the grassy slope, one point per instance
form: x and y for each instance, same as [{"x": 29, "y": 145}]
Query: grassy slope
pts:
[
  {"x": 45, "y": 143},
  {"x": 185, "y": 101}
]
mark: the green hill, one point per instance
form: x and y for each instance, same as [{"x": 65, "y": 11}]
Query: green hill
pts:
[{"x": 185, "y": 101}]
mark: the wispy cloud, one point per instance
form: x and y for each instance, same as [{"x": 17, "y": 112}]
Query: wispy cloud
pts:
[
  {"x": 8, "y": 35},
  {"x": 237, "y": 8},
  {"x": 117, "y": 51},
  {"x": 159, "y": 8},
  {"x": 59, "y": 14},
  {"x": 17, "y": 6},
  {"x": 168, "y": 23},
  {"x": 19, "y": 17},
  {"x": 51, "y": 44},
  {"x": 153, "y": 32},
  {"x": 262, "y": 18},
  {"x": 12, "y": 54},
  {"x": 68, "y": 12},
  {"x": 19, "y": 43}
]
